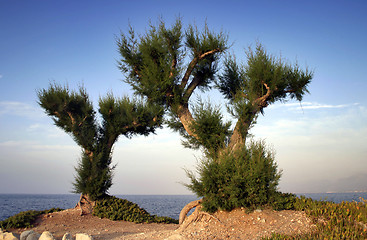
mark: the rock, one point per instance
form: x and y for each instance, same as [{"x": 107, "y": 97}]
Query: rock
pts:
[
  {"x": 25, "y": 234},
  {"x": 46, "y": 236},
  {"x": 67, "y": 236},
  {"x": 33, "y": 236},
  {"x": 8, "y": 236},
  {"x": 83, "y": 236}
]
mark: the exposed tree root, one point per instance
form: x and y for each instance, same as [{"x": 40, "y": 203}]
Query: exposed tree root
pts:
[
  {"x": 187, "y": 209},
  {"x": 195, "y": 216},
  {"x": 211, "y": 216},
  {"x": 85, "y": 204}
]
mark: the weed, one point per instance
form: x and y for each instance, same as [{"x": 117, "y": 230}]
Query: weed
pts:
[
  {"x": 120, "y": 209},
  {"x": 24, "y": 219},
  {"x": 346, "y": 220}
]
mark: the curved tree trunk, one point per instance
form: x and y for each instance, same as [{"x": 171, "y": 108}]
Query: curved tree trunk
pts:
[
  {"x": 186, "y": 119},
  {"x": 187, "y": 209}
]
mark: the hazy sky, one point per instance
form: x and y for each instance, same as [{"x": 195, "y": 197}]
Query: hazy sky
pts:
[{"x": 321, "y": 144}]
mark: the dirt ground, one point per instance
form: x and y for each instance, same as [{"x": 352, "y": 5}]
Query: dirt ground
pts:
[{"x": 236, "y": 224}]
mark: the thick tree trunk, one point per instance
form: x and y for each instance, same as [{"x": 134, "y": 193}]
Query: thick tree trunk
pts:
[
  {"x": 85, "y": 204},
  {"x": 239, "y": 134}
]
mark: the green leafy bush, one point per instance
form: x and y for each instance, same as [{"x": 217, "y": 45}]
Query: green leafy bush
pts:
[
  {"x": 346, "y": 220},
  {"x": 246, "y": 178},
  {"x": 120, "y": 209},
  {"x": 24, "y": 219},
  {"x": 283, "y": 201}
]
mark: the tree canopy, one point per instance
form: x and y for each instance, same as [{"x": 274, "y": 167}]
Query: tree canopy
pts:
[
  {"x": 73, "y": 112},
  {"x": 167, "y": 64}
]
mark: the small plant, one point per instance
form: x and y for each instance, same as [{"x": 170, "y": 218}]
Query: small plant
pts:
[
  {"x": 120, "y": 209},
  {"x": 346, "y": 220},
  {"x": 24, "y": 219}
]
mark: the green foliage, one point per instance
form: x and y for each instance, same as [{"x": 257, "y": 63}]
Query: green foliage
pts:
[
  {"x": 166, "y": 65},
  {"x": 346, "y": 220},
  {"x": 128, "y": 117},
  {"x": 231, "y": 82},
  {"x": 93, "y": 178},
  {"x": 262, "y": 68},
  {"x": 73, "y": 112},
  {"x": 120, "y": 209},
  {"x": 24, "y": 219},
  {"x": 283, "y": 201},
  {"x": 210, "y": 130},
  {"x": 246, "y": 178},
  {"x": 155, "y": 62},
  {"x": 264, "y": 80}
]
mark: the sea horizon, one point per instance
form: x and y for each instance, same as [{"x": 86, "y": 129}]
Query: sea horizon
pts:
[
  {"x": 177, "y": 194},
  {"x": 158, "y": 204}
]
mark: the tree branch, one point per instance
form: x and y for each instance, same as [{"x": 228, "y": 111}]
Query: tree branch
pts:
[
  {"x": 209, "y": 52},
  {"x": 81, "y": 123},
  {"x": 57, "y": 114},
  {"x": 173, "y": 65},
  {"x": 190, "y": 89},
  {"x": 188, "y": 72},
  {"x": 71, "y": 117},
  {"x": 193, "y": 63},
  {"x": 261, "y": 101},
  {"x": 290, "y": 91},
  {"x": 134, "y": 124},
  {"x": 137, "y": 72}
]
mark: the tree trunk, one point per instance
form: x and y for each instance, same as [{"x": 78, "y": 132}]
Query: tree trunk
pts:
[
  {"x": 186, "y": 119},
  {"x": 85, "y": 204},
  {"x": 239, "y": 134},
  {"x": 236, "y": 140},
  {"x": 187, "y": 209},
  {"x": 243, "y": 126}
]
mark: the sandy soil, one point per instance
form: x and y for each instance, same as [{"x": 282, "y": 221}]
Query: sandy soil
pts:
[{"x": 222, "y": 225}]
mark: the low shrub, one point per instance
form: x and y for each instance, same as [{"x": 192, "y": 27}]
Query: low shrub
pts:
[
  {"x": 24, "y": 219},
  {"x": 346, "y": 220},
  {"x": 283, "y": 201},
  {"x": 115, "y": 208},
  {"x": 246, "y": 178}
]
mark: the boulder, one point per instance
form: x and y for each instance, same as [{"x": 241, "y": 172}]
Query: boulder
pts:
[
  {"x": 8, "y": 236},
  {"x": 67, "y": 236},
  {"x": 46, "y": 236},
  {"x": 83, "y": 236},
  {"x": 25, "y": 234},
  {"x": 33, "y": 236}
]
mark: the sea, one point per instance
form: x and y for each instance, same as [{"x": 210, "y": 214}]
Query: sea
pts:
[{"x": 160, "y": 205}]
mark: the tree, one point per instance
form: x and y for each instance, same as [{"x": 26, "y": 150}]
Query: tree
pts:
[
  {"x": 166, "y": 65},
  {"x": 73, "y": 112}
]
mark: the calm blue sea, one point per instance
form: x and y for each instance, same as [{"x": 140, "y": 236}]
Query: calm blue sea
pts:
[{"x": 161, "y": 205}]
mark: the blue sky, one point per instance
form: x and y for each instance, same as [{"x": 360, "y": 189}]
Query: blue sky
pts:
[{"x": 320, "y": 143}]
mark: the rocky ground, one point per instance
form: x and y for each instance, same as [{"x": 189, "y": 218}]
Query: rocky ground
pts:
[{"x": 236, "y": 224}]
